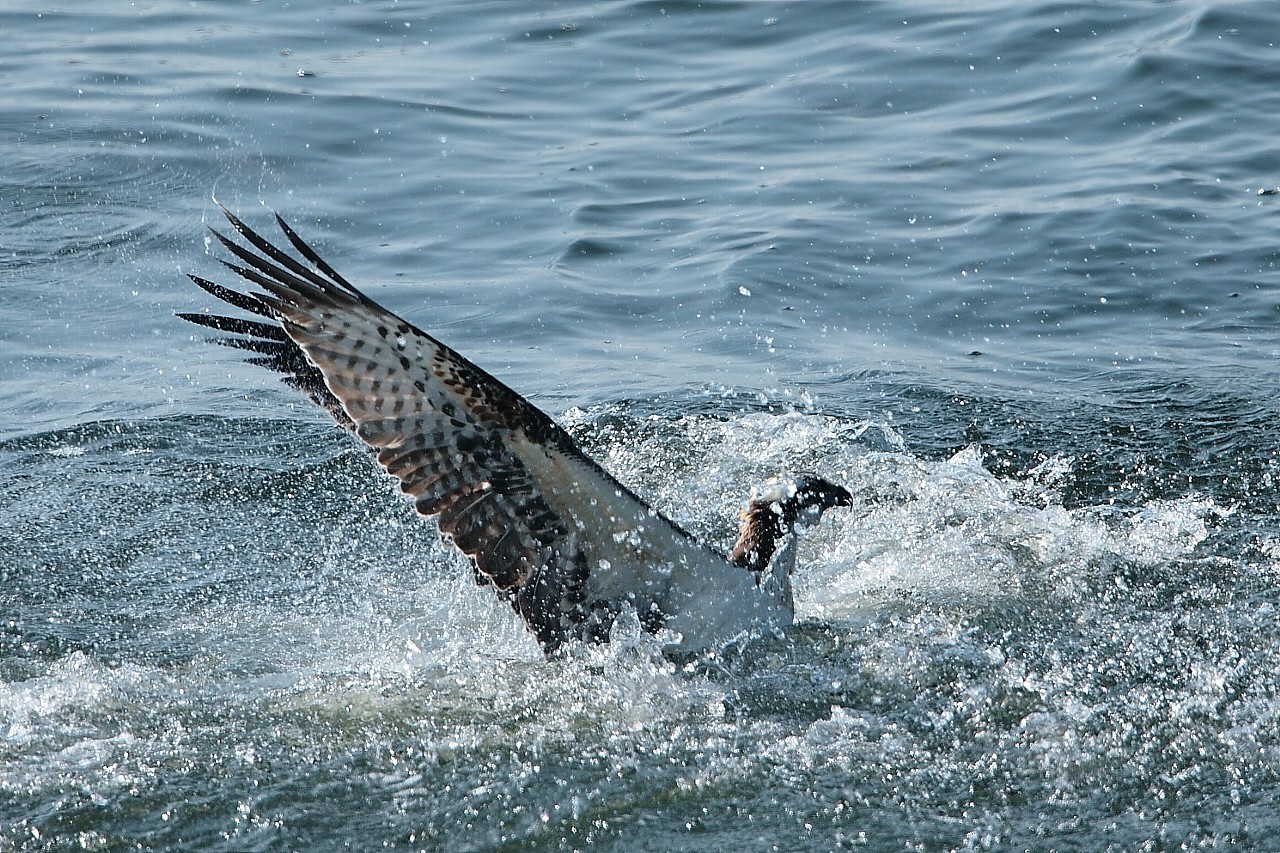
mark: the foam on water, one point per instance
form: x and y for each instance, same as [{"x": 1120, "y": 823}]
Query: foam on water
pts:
[
  {"x": 962, "y": 636},
  {"x": 1009, "y": 262}
]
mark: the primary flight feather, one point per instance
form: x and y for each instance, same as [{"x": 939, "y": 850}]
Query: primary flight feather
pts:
[{"x": 544, "y": 525}]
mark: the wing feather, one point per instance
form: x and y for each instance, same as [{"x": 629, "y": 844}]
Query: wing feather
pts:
[{"x": 553, "y": 533}]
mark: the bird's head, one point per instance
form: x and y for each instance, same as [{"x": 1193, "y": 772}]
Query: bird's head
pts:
[{"x": 776, "y": 508}]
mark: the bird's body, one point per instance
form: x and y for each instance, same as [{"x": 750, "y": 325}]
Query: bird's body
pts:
[{"x": 554, "y": 533}]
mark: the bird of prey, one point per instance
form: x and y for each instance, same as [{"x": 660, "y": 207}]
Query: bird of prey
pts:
[{"x": 553, "y": 533}]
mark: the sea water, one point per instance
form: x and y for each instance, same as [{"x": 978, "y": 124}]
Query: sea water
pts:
[{"x": 1006, "y": 270}]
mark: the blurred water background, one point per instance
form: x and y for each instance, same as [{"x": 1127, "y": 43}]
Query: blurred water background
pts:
[{"x": 1008, "y": 270}]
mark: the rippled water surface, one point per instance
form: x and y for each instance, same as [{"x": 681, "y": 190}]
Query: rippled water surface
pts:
[{"x": 1008, "y": 270}]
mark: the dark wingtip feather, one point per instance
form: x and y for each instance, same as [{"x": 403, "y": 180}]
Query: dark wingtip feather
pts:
[
  {"x": 283, "y": 277},
  {"x": 242, "y": 229},
  {"x": 311, "y": 255},
  {"x": 280, "y": 265},
  {"x": 243, "y": 301},
  {"x": 277, "y": 349},
  {"x": 235, "y": 325}
]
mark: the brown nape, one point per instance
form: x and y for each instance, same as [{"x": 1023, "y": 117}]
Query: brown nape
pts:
[
  {"x": 773, "y": 511},
  {"x": 758, "y": 536}
]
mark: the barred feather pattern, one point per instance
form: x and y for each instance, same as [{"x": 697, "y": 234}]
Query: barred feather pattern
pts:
[
  {"x": 443, "y": 427},
  {"x": 548, "y": 529}
]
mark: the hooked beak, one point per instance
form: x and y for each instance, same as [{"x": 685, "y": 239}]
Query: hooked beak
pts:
[{"x": 838, "y": 496}]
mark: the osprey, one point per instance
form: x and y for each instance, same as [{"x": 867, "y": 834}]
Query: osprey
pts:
[{"x": 567, "y": 545}]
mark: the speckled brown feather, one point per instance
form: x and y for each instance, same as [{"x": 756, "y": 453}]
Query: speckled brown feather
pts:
[
  {"x": 439, "y": 424},
  {"x": 567, "y": 545}
]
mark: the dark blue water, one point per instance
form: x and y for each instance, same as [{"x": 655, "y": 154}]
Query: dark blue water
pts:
[{"x": 1007, "y": 270}]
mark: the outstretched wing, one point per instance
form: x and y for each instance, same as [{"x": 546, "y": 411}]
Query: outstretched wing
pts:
[{"x": 550, "y": 530}]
